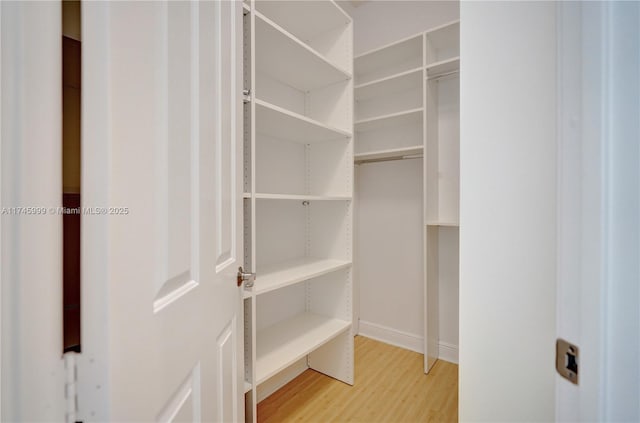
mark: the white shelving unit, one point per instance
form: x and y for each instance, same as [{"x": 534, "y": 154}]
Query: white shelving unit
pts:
[
  {"x": 441, "y": 168},
  {"x": 443, "y": 67},
  {"x": 283, "y": 124},
  {"x": 298, "y": 190},
  {"x": 394, "y": 153},
  {"x": 407, "y": 106},
  {"x": 288, "y": 341},
  {"x": 389, "y": 101},
  {"x": 280, "y": 275},
  {"x": 392, "y": 59}
]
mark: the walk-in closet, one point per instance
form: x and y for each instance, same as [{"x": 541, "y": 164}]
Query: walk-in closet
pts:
[
  {"x": 319, "y": 211},
  {"x": 351, "y": 186}
]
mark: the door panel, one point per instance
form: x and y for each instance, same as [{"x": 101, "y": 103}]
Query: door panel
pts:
[
  {"x": 225, "y": 153},
  {"x": 227, "y": 401},
  {"x": 170, "y": 325},
  {"x": 178, "y": 145},
  {"x": 184, "y": 405}
]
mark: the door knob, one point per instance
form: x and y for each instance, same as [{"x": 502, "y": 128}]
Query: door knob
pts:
[{"x": 246, "y": 277}]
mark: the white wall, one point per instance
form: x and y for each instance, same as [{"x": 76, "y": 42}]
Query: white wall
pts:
[
  {"x": 389, "y": 257},
  {"x": 389, "y": 251},
  {"x": 378, "y": 23},
  {"x": 622, "y": 343},
  {"x": 508, "y": 211}
]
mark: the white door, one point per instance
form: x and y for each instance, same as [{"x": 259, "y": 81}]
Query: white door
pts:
[{"x": 161, "y": 332}]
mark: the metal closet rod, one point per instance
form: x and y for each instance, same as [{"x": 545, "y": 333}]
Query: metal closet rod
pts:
[{"x": 389, "y": 159}]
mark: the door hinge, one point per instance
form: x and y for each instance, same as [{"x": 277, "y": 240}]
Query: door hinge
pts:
[{"x": 70, "y": 386}]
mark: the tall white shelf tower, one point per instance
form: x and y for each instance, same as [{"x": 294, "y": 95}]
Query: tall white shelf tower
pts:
[{"x": 298, "y": 183}]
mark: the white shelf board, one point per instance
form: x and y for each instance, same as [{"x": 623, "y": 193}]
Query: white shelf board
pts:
[
  {"x": 302, "y": 197},
  {"x": 246, "y": 7},
  {"x": 394, "y": 153},
  {"x": 246, "y": 195},
  {"x": 393, "y": 119},
  {"x": 443, "y": 67},
  {"x": 287, "y": 59},
  {"x": 286, "y": 342},
  {"x": 247, "y": 386},
  {"x": 443, "y": 223},
  {"x": 304, "y": 19},
  {"x": 402, "y": 51},
  {"x": 447, "y": 33},
  {"x": 246, "y": 293},
  {"x": 280, "y": 275},
  {"x": 284, "y": 124},
  {"x": 399, "y": 82}
]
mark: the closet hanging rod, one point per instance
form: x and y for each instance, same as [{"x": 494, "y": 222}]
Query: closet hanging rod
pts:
[
  {"x": 442, "y": 75},
  {"x": 389, "y": 159}
]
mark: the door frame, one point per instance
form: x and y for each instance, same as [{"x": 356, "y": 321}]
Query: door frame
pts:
[
  {"x": 32, "y": 370},
  {"x": 598, "y": 195}
]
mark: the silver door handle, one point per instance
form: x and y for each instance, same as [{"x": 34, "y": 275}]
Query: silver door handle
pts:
[{"x": 246, "y": 277}]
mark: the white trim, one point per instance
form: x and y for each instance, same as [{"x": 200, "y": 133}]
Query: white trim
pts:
[
  {"x": 391, "y": 336},
  {"x": 32, "y": 367},
  {"x": 448, "y": 352},
  {"x": 1, "y": 256},
  {"x": 96, "y": 133}
]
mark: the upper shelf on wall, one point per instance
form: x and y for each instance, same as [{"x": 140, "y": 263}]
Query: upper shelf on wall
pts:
[
  {"x": 284, "y": 124},
  {"x": 443, "y": 67},
  {"x": 401, "y": 81},
  {"x": 288, "y": 59},
  {"x": 406, "y": 117},
  {"x": 389, "y": 60},
  {"x": 442, "y": 43},
  {"x": 437, "y": 50},
  {"x": 306, "y": 20},
  {"x": 389, "y": 154}
]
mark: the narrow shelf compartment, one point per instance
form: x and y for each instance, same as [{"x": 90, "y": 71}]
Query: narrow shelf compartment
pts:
[
  {"x": 392, "y": 119},
  {"x": 302, "y": 197},
  {"x": 284, "y": 343},
  {"x": 389, "y": 85},
  {"x": 284, "y": 124},
  {"x": 390, "y": 154},
  {"x": 289, "y": 60},
  {"x": 280, "y": 275},
  {"x": 306, "y": 20},
  {"x": 389, "y": 60},
  {"x": 443, "y": 67},
  {"x": 443, "y": 43}
]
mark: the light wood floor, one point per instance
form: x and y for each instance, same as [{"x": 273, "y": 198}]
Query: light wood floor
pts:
[{"x": 390, "y": 386}]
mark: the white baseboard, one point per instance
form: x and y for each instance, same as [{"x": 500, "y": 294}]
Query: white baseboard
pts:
[
  {"x": 448, "y": 352},
  {"x": 391, "y": 336},
  {"x": 271, "y": 385}
]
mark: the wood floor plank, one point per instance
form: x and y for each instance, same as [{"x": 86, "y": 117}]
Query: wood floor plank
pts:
[{"x": 390, "y": 387}]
